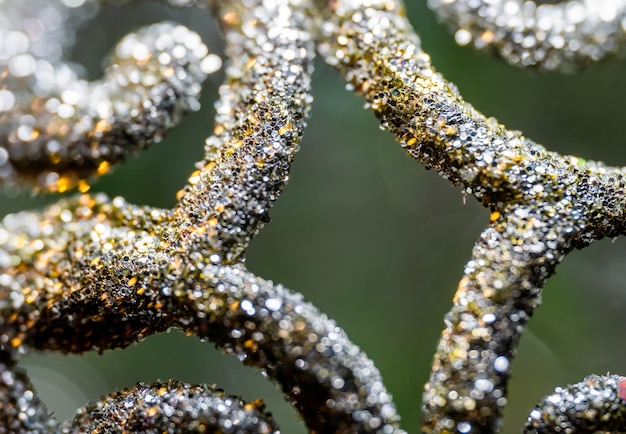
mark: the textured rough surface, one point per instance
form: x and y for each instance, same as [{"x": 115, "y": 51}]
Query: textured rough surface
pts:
[
  {"x": 565, "y": 35},
  {"x": 93, "y": 272},
  {"x": 593, "y": 405},
  {"x": 542, "y": 205},
  {"x": 58, "y": 130},
  {"x": 147, "y": 409}
]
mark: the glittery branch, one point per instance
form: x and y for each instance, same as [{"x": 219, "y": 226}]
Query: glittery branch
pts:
[
  {"x": 97, "y": 273},
  {"x": 259, "y": 123},
  {"x": 169, "y": 407},
  {"x": 57, "y": 130},
  {"x": 498, "y": 293},
  {"x": 103, "y": 277},
  {"x": 159, "y": 407},
  {"x": 543, "y": 205},
  {"x": 595, "y": 405},
  {"x": 21, "y": 410},
  {"x": 567, "y": 35},
  {"x": 335, "y": 387},
  {"x": 435, "y": 125}
]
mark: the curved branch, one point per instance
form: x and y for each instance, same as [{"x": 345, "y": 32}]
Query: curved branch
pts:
[
  {"x": 500, "y": 289},
  {"x": 102, "y": 277},
  {"x": 54, "y": 258},
  {"x": 172, "y": 407},
  {"x": 543, "y": 204},
  {"x": 374, "y": 47},
  {"x": 332, "y": 383},
  {"x": 93, "y": 273},
  {"x": 596, "y": 404},
  {"x": 565, "y": 36},
  {"x": 260, "y": 120},
  {"x": 159, "y": 407},
  {"x": 57, "y": 130},
  {"x": 21, "y": 410}
]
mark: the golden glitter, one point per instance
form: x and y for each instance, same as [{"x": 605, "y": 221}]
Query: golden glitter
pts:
[
  {"x": 103, "y": 168},
  {"x": 102, "y": 126},
  {"x": 83, "y": 186},
  {"x": 451, "y": 130},
  {"x": 487, "y": 37},
  {"x": 151, "y": 411},
  {"x": 282, "y": 130},
  {"x": 64, "y": 184}
]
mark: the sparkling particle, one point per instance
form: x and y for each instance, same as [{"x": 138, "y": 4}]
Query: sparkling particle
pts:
[
  {"x": 462, "y": 37},
  {"x": 483, "y": 385},
  {"x": 464, "y": 427},
  {"x": 273, "y": 303},
  {"x": 501, "y": 364},
  {"x": 4, "y": 157},
  {"x": 7, "y": 100},
  {"x": 211, "y": 63}
]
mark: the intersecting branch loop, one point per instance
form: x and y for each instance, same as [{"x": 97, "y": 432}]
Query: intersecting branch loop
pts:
[{"x": 98, "y": 273}]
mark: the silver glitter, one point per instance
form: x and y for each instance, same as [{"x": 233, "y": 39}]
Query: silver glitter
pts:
[
  {"x": 543, "y": 205},
  {"x": 183, "y": 266},
  {"x": 593, "y": 405},
  {"x": 67, "y": 272},
  {"x": 566, "y": 35},
  {"x": 71, "y": 129}
]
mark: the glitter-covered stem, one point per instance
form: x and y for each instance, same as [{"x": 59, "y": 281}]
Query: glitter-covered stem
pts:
[
  {"x": 153, "y": 408},
  {"x": 91, "y": 273},
  {"x": 331, "y": 382},
  {"x": 21, "y": 410},
  {"x": 57, "y": 130},
  {"x": 374, "y": 47},
  {"x": 563, "y": 36},
  {"x": 74, "y": 250},
  {"x": 500, "y": 289},
  {"x": 595, "y": 405},
  {"x": 543, "y": 204},
  {"x": 260, "y": 120}
]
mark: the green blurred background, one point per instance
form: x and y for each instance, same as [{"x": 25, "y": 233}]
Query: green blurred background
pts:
[{"x": 369, "y": 236}]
